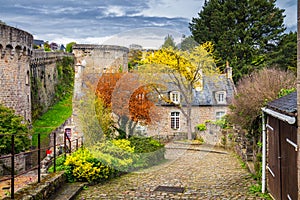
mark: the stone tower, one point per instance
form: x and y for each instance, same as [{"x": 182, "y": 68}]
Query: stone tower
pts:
[{"x": 15, "y": 53}]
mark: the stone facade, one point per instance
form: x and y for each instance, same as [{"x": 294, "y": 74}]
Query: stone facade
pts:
[
  {"x": 15, "y": 55},
  {"x": 200, "y": 114}
]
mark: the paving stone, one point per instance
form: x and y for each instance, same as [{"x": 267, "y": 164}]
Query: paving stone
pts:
[{"x": 205, "y": 172}]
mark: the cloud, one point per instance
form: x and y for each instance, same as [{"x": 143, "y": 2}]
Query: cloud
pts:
[
  {"x": 74, "y": 20},
  {"x": 173, "y": 8},
  {"x": 148, "y": 37},
  {"x": 290, "y": 7}
]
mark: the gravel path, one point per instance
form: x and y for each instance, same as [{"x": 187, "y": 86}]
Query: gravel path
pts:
[{"x": 203, "y": 172}]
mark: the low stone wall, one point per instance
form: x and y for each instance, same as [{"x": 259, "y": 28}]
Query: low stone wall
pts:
[
  {"x": 48, "y": 186},
  {"x": 20, "y": 164}
]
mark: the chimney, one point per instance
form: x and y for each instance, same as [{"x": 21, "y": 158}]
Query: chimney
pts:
[{"x": 228, "y": 71}]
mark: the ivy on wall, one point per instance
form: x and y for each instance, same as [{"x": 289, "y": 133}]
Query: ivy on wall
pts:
[
  {"x": 63, "y": 85},
  {"x": 66, "y": 73}
]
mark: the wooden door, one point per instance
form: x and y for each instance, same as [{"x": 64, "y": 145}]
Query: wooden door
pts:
[
  {"x": 288, "y": 143},
  {"x": 282, "y": 159},
  {"x": 273, "y": 167}
]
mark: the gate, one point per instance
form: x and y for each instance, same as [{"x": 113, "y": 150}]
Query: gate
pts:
[{"x": 282, "y": 159}]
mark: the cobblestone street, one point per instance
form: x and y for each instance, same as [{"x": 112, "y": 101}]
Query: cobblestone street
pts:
[{"x": 204, "y": 172}]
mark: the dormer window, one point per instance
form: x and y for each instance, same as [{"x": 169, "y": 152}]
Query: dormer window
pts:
[
  {"x": 220, "y": 97},
  {"x": 175, "y": 97}
]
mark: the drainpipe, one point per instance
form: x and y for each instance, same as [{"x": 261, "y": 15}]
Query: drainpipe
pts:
[{"x": 263, "y": 180}]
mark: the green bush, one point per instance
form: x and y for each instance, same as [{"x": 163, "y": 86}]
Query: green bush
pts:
[
  {"x": 59, "y": 164},
  {"x": 117, "y": 154},
  {"x": 201, "y": 127},
  {"x": 111, "y": 157},
  {"x": 150, "y": 151},
  {"x": 10, "y": 124},
  {"x": 83, "y": 166}
]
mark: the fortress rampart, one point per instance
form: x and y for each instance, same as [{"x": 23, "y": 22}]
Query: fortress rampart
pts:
[
  {"x": 15, "y": 55},
  {"x": 28, "y": 77}
]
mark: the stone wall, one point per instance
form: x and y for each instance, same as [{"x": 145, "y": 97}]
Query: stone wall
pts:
[
  {"x": 15, "y": 55},
  {"x": 93, "y": 60},
  {"x": 20, "y": 66},
  {"x": 44, "y": 78},
  {"x": 20, "y": 164}
]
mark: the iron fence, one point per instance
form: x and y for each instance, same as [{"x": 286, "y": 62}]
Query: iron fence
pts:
[{"x": 40, "y": 153}]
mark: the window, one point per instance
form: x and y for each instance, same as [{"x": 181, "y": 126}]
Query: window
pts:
[
  {"x": 175, "y": 120},
  {"x": 219, "y": 115},
  {"x": 221, "y": 97},
  {"x": 175, "y": 97}
]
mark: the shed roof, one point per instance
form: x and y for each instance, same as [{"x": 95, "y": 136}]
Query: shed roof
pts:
[{"x": 285, "y": 104}]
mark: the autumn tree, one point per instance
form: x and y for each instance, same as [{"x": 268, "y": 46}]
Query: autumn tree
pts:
[
  {"x": 106, "y": 86},
  {"x": 128, "y": 100},
  {"x": 243, "y": 32},
  {"x": 140, "y": 104},
  {"x": 181, "y": 70}
]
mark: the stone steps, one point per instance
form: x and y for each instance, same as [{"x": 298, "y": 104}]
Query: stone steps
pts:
[{"x": 68, "y": 191}]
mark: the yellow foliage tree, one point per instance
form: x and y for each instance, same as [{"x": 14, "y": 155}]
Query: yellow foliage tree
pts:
[{"x": 183, "y": 70}]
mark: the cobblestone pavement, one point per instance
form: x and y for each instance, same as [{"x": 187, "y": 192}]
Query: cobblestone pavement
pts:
[{"x": 204, "y": 173}]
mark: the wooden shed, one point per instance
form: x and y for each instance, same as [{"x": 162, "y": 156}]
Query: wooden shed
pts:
[{"x": 282, "y": 147}]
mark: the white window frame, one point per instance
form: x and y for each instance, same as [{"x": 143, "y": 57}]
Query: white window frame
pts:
[
  {"x": 175, "y": 120},
  {"x": 220, "y": 97},
  {"x": 175, "y": 97},
  {"x": 219, "y": 115}
]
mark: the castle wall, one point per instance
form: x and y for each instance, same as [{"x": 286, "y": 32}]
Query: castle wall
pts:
[
  {"x": 45, "y": 78},
  {"x": 96, "y": 59},
  {"x": 26, "y": 76},
  {"x": 15, "y": 55}
]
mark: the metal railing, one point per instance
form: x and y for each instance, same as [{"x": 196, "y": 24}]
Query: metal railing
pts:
[{"x": 67, "y": 146}]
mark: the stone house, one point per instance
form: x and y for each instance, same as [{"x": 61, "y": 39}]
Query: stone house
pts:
[{"x": 210, "y": 103}]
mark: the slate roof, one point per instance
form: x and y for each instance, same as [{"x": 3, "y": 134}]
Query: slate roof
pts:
[
  {"x": 211, "y": 85},
  {"x": 285, "y": 104}
]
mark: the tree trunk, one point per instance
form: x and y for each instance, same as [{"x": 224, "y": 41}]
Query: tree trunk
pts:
[
  {"x": 189, "y": 128},
  {"x": 189, "y": 121}
]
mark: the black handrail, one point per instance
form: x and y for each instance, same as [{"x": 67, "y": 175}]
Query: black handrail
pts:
[{"x": 38, "y": 150}]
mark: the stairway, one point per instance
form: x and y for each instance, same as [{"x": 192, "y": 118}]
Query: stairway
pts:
[{"x": 68, "y": 191}]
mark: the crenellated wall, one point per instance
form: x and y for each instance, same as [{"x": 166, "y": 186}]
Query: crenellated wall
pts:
[
  {"x": 15, "y": 55},
  {"x": 24, "y": 71},
  {"x": 29, "y": 78}
]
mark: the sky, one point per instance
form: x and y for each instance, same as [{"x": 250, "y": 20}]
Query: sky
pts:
[{"x": 117, "y": 22}]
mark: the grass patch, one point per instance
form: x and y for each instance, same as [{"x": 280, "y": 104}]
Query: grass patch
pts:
[
  {"x": 256, "y": 190},
  {"x": 52, "y": 119}
]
